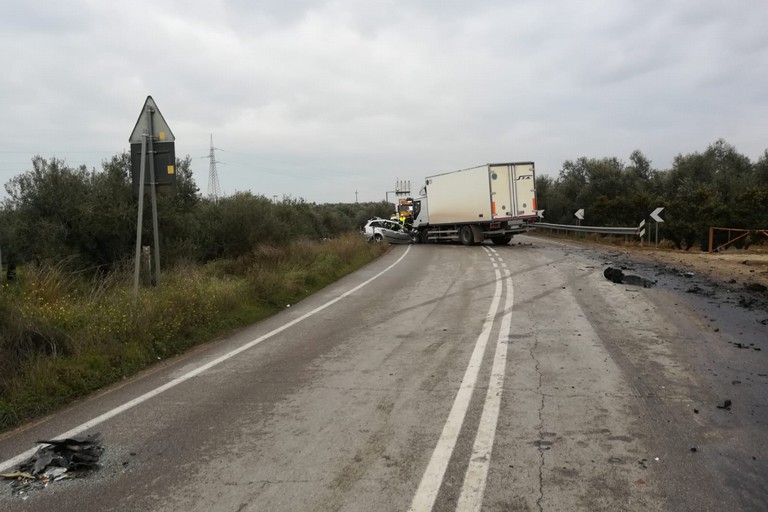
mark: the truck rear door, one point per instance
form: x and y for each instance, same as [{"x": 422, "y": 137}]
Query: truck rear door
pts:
[
  {"x": 524, "y": 188},
  {"x": 502, "y": 201}
]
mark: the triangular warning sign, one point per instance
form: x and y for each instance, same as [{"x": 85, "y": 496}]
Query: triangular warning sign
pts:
[{"x": 160, "y": 129}]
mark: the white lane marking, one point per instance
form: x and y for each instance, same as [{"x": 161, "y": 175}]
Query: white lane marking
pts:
[
  {"x": 476, "y": 477},
  {"x": 197, "y": 371},
  {"x": 426, "y": 494}
]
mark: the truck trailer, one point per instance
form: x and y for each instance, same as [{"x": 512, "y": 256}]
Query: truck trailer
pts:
[{"x": 489, "y": 202}]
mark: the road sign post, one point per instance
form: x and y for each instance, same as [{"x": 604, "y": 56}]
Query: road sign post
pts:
[
  {"x": 153, "y": 195},
  {"x": 655, "y": 216},
  {"x": 149, "y": 128},
  {"x": 579, "y": 215},
  {"x": 139, "y": 222}
]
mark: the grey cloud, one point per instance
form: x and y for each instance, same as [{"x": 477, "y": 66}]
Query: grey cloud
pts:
[{"x": 340, "y": 95}]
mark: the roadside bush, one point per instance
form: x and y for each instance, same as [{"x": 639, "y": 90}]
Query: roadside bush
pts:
[{"x": 716, "y": 187}]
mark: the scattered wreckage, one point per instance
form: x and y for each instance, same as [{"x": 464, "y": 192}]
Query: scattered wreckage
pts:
[
  {"x": 57, "y": 460},
  {"x": 617, "y": 276}
]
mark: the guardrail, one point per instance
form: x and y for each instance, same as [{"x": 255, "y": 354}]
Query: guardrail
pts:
[{"x": 603, "y": 230}]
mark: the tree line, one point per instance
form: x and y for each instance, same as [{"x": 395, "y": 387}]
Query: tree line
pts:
[
  {"x": 86, "y": 219},
  {"x": 718, "y": 187}
]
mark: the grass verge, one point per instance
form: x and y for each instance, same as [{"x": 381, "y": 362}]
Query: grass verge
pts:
[{"x": 63, "y": 336}]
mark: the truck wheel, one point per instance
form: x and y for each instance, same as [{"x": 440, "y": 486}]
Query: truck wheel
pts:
[
  {"x": 501, "y": 240},
  {"x": 424, "y": 237},
  {"x": 466, "y": 236}
]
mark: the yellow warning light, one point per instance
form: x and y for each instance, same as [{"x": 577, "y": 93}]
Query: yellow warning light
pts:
[
  {"x": 171, "y": 170},
  {"x": 161, "y": 136}
]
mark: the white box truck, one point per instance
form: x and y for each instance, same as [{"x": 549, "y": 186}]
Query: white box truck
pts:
[{"x": 489, "y": 202}]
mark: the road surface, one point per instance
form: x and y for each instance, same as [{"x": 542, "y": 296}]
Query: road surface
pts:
[{"x": 443, "y": 378}]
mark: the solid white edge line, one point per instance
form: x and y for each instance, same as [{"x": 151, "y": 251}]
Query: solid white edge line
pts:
[
  {"x": 197, "y": 371},
  {"x": 476, "y": 477},
  {"x": 426, "y": 493}
]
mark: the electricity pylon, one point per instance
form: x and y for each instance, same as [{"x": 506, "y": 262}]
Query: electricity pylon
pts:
[{"x": 214, "y": 191}]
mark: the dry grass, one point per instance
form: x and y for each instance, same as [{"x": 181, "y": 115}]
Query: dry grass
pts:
[{"x": 63, "y": 336}]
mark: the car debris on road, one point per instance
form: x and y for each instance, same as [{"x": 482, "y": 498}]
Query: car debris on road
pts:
[
  {"x": 617, "y": 276},
  {"x": 726, "y": 405},
  {"x": 57, "y": 460}
]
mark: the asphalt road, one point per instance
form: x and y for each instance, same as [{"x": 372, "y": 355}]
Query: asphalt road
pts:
[{"x": 443, "y": 378}]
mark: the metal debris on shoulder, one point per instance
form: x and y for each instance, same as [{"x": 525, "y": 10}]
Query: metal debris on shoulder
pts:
[
  {"x": 617, "y": 276},
  {"x": 56, "y": 460}
]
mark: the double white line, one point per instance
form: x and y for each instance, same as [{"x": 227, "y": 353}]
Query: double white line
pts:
[{"x": 475, "y": 479}]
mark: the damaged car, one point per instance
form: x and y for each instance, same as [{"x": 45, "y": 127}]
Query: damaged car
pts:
[{"x": 378, "y": 230}]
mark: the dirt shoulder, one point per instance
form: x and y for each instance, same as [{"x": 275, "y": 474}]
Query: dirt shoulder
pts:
[{"x": 734, "y": 267}]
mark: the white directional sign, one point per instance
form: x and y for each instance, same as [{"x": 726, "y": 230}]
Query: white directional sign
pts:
[
  {"x": 540, "y": 213},
  {"x": 655, "y": 214},
  {"x": 579, "y": 214}
]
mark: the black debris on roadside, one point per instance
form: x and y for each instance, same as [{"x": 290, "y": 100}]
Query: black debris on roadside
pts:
[
  {"x": 755, "y": 287},
  {"x": 617, "y": 276},
  {"x": 726, "y": 405},
  {"x": 747, "y": 302},
  {"x": 58, "y": 459}
]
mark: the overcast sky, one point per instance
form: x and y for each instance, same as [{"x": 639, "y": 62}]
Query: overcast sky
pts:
[{"x": 317, "y": 99}]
